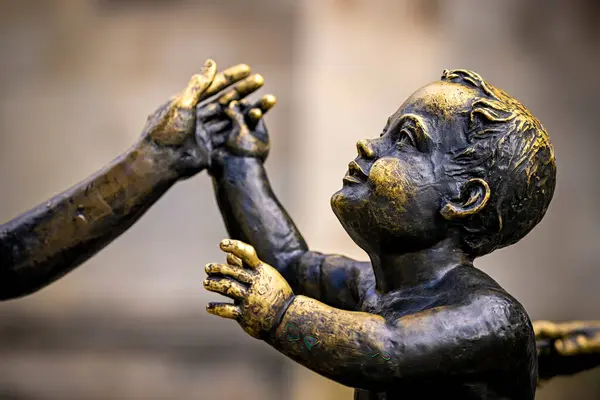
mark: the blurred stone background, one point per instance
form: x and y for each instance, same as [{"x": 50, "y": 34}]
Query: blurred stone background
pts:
[{"x": 78, "y": 78}]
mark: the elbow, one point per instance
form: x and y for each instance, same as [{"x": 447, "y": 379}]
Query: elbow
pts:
[{"x": 288, "y": 260}]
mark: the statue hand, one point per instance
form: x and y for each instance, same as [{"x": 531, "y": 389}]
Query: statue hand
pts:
[
  {"x": 261, "y": 295},
  {"x": 236, "y": 128},
  {"x": 170, "y": 131},
  {"x": 569, "y": 338},
  {"x": 232, "y": 124}
]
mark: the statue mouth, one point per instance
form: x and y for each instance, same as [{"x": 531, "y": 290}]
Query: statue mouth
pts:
[{"x": 355, "y": 173}]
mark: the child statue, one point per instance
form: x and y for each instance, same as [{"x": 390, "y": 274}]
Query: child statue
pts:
[{"x": 460, "y": 170}]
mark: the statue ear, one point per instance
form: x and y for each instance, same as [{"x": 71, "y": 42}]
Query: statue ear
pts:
[{"x": 474, "y": 195}]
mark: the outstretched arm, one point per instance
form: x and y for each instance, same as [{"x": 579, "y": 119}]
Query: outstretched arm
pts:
[
  {"x": 252, "y": 213},
  {"x": 365, "y": 351},
  {"x": 567, "y": 348},
  {"x": 47, "y": 242},
  {"x": 359, "y": 349}
]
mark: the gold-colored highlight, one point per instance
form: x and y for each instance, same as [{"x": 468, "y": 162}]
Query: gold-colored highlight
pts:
[
  {"x": 226, "y": 78},
  {"x": 242, "y": 89},
  {"x": 570, "y": 338},
  {"x": 267, "y": 295},
  {"x": 451, "y": 211},
  {"x": 505, "y": 108}
]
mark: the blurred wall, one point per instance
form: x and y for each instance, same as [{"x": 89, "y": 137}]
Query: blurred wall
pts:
[{"x": 77, "y": 79}]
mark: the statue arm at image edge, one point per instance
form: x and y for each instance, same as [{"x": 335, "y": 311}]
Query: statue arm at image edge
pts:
[
  {"x": 53, "y": 238},
  {"x": 567, "y": 348}
]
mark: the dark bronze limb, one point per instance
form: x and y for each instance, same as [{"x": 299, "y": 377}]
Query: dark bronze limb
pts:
[{"x": 55, "y": 237}]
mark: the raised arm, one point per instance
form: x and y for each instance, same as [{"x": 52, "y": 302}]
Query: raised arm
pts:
[
  {"x": 55, "y": 237},
  {"x": 364, "y": 350},
  {"x": 253, "y": 214}
]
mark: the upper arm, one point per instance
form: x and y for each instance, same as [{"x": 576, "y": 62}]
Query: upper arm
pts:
[
  {"x": 483, "y": 335},
  {"x": 335, "y": 280}
]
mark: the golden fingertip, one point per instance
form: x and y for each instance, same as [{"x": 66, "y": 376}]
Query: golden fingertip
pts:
[
  {"x": 255, "y": 114},
  {"x": 244, "y": 68},
  {"x": 258, "y": 79},
  {"x": 270, "y": 100}
]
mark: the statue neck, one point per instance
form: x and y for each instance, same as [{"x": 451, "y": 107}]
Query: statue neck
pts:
[{"x": 406, "y": 270}]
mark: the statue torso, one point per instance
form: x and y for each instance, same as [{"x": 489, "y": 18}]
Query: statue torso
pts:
[{"x": 514, "y": 376}]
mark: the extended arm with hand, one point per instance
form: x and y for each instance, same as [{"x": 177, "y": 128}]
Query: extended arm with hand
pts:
[
  {"x": 566, "y": 348},
  {"x": 50, "y": 240},
  {"x": 252, "y": 213},
  {"x": 356, "y": 349}
]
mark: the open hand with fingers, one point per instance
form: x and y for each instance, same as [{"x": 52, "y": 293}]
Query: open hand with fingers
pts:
[
  {"x": 234, "y": 125},
  {"x": 568, "y": 338},
  {"x": 171, "y": 131},
  {"x": 566, "y": 348},
  {"x": 261, "y": 295}
]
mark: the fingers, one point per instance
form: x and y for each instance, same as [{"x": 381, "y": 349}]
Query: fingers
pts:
[
  {"x": 207, "y": 111},
  {"x": 226, "y": 78},
  {"x": 260, "y": 108},
  {"x": 235, "y": 272},
  {"x": 198, "y": 85},
  {"x": 547, "y": 329},
  {"x": 233, "y": 260},
  {"x": 578, "y": 344},
  {"x": 265, "y": 103},
  {"x": 544, "y": 328},
  {"x": 255, "y": 114},
  {"x": 226, "y": 286},
  {"x": 224, "y": 310},
  {"x": 233, "y": 111},
  {"x": 242, "y": 89},
  {"x": 243, "y": 251}
]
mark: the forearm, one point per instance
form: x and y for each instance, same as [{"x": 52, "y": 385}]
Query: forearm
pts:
[
  {"x": 252, "y": 213},
  {"x": 352, "y": 348},
  {"x": 50, "y": 240},
  {"x": 551, "y": 365}
]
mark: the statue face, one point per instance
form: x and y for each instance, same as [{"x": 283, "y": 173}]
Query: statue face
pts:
[{"x": 393, "y": 191}]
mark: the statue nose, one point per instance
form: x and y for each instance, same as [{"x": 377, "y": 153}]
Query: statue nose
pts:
[{"x": 365, "y": 149}]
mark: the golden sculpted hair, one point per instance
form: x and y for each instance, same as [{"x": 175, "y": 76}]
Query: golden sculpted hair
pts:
[{"x": 509, "y": 149}]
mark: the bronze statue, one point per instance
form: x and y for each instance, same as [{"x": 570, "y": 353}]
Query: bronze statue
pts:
[
  {"x": 461, "y": 169},
  {"x": 567, "y": 348},
  {"x": 55, "y": 237}
]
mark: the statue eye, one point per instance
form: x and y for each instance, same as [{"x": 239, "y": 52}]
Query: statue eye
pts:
[{"x": 405, "y": 138}]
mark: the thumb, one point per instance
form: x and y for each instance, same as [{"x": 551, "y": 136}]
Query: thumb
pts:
[{"x": 198, "y": 85}]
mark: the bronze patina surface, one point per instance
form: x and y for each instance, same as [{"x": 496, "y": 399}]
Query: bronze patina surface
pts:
[
  {"x": 55, "y": 237},
  {"x": 460, "y": 170}
]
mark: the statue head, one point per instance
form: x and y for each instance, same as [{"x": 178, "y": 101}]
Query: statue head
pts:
[{"x": 460, "y": 159}]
